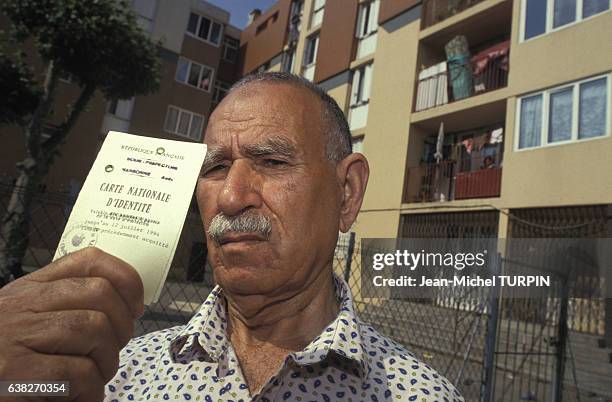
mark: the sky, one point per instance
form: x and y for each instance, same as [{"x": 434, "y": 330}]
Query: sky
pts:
[{"x": 240, "y": 9}]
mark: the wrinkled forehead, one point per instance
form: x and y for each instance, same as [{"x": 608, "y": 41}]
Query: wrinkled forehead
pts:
[{"x": 259, "y": 110}]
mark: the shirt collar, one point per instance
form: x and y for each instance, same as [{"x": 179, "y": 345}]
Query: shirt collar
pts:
[{"x": 341, "y": 337}]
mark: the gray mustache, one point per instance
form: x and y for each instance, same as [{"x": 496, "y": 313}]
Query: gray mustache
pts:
[{"x": 246, "y": 222}]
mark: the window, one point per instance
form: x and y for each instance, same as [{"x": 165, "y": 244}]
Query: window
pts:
[
  {"x": 564, "y": 12},
  {"x": 184, "y": 123},
  {"x": 288, "y": 61},
  {"x": 230, "y": 49},
  {"x": 560, "y": 115},
  {"x": 221, "y": 88},
  {"x": 362, "y": 81},
  {"x": 592, "y": 7},
  {"x": 194, "y": 74},
  {"x": 565, "y": 114},
  {"x": 593, "y": 115},
  {"x": 531, "y": 122},
  {"x": 204, "y": 28},
  {"x": 368, "y": 19},
  {"x": 318, "y": 9},
  {"x": 312, "y": 45},
  {"x": 121, "y": 108},
  {"x": 535, "y": 18},
  {"x": 542, "y": 16}
]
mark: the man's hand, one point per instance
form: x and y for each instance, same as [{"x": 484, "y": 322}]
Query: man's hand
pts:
[{"x": 69, "y": 320}]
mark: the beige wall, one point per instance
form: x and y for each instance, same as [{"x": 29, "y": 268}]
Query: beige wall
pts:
[
  {"x": 386, "y": 137},
  {"x": 569, "y": 174},
  {"x": 341, "y": 95},
  {"x": 571, "y": 53},
  {"x": 305, "y": 31}
]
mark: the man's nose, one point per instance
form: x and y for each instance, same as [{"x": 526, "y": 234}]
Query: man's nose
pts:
[{"x": 240, "y": 191}]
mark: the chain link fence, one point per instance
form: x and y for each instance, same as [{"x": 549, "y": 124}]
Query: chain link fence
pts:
[{"x": 480, "y": 343}]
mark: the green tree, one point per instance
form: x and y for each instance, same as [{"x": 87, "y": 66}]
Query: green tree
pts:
[{"x": 99, "y": 44}]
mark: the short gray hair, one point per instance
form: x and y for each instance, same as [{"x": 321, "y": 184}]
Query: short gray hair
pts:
[{"x": 338, "y": 132}]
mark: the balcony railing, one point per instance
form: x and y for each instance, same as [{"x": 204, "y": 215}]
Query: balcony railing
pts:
[
  {"x": 458, "y": 79},
  {"x": 453, "y": 180},
  {"x": 435, "y": 11}
]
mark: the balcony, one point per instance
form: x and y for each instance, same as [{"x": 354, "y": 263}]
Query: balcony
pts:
[
  {"x": 462, "y": 77},
  {"x": 471, "y": 167},
  {"x": 435, "y": 11}
]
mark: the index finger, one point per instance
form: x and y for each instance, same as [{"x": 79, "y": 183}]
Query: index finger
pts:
[{"x": 91, "y": 262}]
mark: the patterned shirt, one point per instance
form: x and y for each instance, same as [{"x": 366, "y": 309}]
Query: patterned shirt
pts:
[{"x": 348, "y": 361}]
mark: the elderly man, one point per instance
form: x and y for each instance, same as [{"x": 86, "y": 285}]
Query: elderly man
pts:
[{"x": 278, "y": 183}]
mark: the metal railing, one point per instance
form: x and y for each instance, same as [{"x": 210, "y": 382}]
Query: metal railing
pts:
[
  {"x": 435, "y": 11},
  {"x": 453, "y": 180},
  {"x": 460, "y": 81}
]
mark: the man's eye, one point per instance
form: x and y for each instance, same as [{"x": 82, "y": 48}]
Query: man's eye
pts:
[{"x": 274, "y": 162}]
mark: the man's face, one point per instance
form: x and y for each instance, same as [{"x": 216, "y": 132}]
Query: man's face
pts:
[{"x": 267, "y": 157}]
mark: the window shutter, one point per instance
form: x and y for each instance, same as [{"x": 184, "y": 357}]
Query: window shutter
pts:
[
  {"x": 355, "y": 86},
  {"x": 360, "y": 22},
  {"x": 367, "y": 82},
  {"x": 307, "y": 51},
  {"x": 373, "y": 25}
]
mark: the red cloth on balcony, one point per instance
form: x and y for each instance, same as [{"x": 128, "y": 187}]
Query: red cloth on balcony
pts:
[
  {"x": 481, "y": 140},
  {"x": 481, "y": 60},
  {"x": 476, "y": 143},
  {"x": 468, "y": 144}
]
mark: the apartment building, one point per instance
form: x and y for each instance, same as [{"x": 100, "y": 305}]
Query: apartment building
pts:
[
  {"x": 525, "y": 117},
  {"x": 478, "y": 117},
  {"x": 199, "y": 52}
]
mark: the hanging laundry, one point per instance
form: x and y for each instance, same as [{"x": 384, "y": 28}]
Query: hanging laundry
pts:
[
  {"x": 468, "y": 144},
  {"x": 497, "y": 136},
  {"x": 481, "y": 140},
  {"x": 499, "y": 51}
]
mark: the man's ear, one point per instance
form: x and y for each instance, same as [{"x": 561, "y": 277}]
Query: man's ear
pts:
[{"x": 353, "y": 172}]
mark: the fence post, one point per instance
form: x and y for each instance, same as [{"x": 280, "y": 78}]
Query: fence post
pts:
[
  {"x": 557, "y": 393},
  {"x": 488, "y": 380},
  {"x": 349, "y": 257},
  {"x": 607, "y": 274}
]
